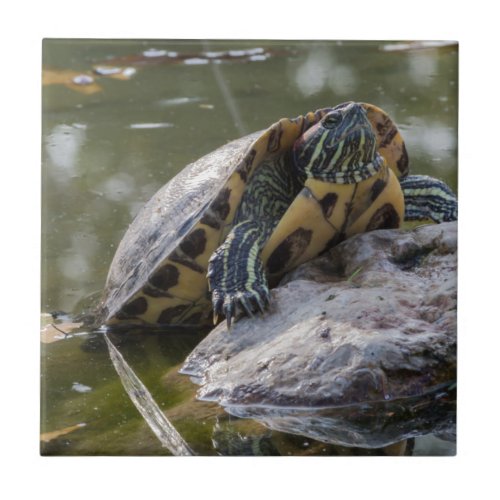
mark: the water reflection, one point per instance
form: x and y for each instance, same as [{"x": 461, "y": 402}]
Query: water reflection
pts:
[
  {"x": 150, "y": 125},
  {"x": 423, "y": 67},
  {"x": 74, "y": 266},
  {"x": 343, "y": 80},
  {"x": 435, "y": 144},
  {"x": 63, "y": 145},
  {"x": 118, "y": 187},
  {"x": 370, "y": 425},
  {"x": 176, "y": 101},
  {"x": 321, "y": 70},
  {"x": 85, "y": 243},
  {"x": 313, "y": 74},
  {"x": 437, "y": 138}
]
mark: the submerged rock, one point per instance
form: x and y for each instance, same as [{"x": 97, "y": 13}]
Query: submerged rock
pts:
[{"x": 358, "y": 348}]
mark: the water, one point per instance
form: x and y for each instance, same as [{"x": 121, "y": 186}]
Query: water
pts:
[{"x": 113, "y": 136}]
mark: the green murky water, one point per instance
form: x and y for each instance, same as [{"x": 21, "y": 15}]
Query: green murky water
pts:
[{"x": 107, "y": 146}]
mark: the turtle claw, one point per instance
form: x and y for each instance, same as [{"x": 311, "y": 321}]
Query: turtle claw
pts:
[
  {"x": 245, "y": 304},
  {"x": 259, "y": 304},
  {"x": 217, "y": 303},
  {"x": 229, "y": 310},
  {"x": 261, "y": 299},
  {"x": 234, "y": 304}
]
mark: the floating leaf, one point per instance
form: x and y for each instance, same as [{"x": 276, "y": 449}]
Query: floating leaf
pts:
[
  {"x": 116, "y": 72},
  {"x": 106, "y": 70},
  {"x": 49, "y": 436},
  {"x": 125, "y": 74},
  {"x": 74, "y": 80},
  {"x": 52, "y": 332},
  {"x": 155, "y": 56},
  {"x": 80, "y": 387},
  {"x": 417, "y": 45},
  {"x": 150, "y": 125}
]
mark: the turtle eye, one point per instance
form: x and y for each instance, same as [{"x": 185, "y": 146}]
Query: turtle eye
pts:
[{"x": 332, "y": 120}]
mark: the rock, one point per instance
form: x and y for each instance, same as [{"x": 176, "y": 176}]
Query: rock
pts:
[{"x": 358, "y": 348}]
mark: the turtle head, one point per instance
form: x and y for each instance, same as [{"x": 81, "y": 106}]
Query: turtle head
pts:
[{"x": 341, "y": 148}]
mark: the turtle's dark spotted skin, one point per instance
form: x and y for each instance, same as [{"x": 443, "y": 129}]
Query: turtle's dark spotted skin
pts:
[
  {"x": 289, "y": 250},
  {"x": 135, "y": 307},
  {"x": 385, "y": 217},
  {"x": 328, "y": 203},
  {"x": 210, "y": 239},
  {"x": 378, "y": 186},
  {"x": 218, "y": 211}
]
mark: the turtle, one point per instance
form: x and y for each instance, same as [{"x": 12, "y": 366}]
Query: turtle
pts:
[{"x": 222, "y": 232}]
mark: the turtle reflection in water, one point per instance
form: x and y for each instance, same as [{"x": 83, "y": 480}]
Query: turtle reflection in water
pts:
[{"x": 228, "y": 226}]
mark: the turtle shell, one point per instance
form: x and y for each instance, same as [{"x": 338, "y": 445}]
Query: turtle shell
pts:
[
  {"x": 390, "y": 142},
  {"x": 158, "y": 274}
]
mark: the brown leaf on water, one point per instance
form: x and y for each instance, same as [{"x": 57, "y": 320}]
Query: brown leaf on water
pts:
[
  {"x": 49, "y": 436},
  {"x": 52, "y": 332},
  {"x": 74, "y": 80}
]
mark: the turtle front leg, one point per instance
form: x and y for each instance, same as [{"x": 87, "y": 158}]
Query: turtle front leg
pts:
[
  {"x": 428, "y": 199},
  {"x": 236, "y": 273}
]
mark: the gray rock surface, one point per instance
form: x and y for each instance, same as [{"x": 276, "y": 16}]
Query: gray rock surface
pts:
[{"x": 371, "y": 322}]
